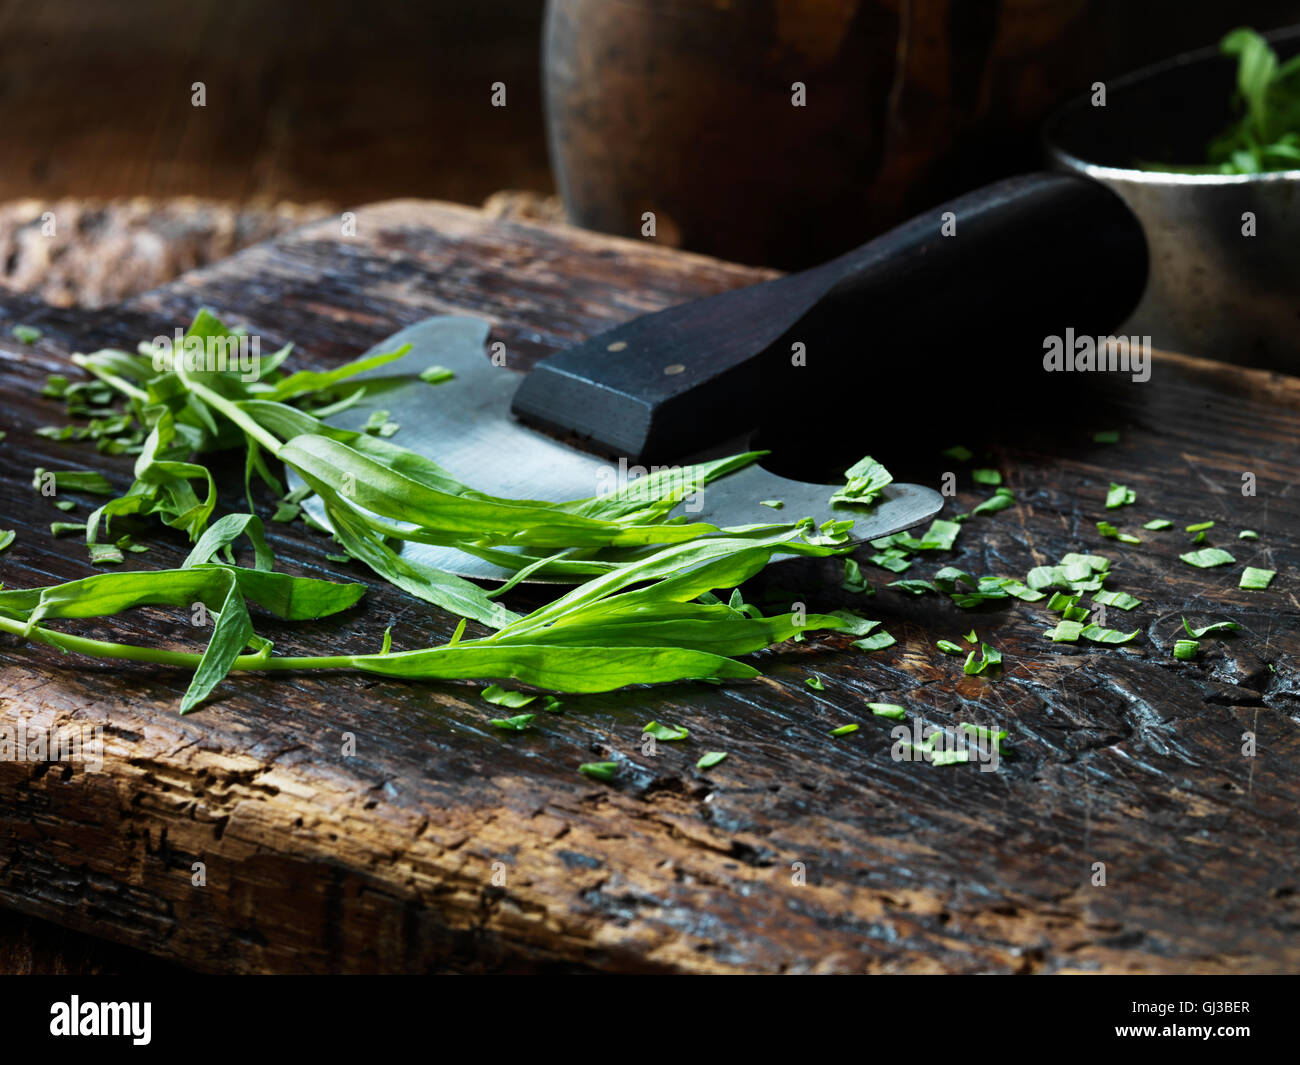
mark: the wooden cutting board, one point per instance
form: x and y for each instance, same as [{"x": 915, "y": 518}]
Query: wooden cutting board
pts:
[{"x": 442, "y": 843}]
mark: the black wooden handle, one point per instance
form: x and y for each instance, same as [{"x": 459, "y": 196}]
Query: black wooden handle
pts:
[{"x": 988, "y": 275}]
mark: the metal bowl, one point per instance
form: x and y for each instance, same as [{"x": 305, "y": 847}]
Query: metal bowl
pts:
[{"x": 1213, "y": 289}]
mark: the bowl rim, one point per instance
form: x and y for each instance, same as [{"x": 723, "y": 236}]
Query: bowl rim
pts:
[{"x": 1135, "y": 175}]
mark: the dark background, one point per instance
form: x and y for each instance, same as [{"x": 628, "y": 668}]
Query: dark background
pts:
[{"x": 349, "y": 102}]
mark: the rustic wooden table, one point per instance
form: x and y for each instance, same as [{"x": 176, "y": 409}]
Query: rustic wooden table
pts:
[{"x": 442, "y": 843}]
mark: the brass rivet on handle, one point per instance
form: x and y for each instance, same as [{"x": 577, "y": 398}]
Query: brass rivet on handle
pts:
[{"x": 676, "y": 367}]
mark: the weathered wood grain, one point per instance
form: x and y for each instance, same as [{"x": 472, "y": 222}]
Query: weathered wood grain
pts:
[{"x": 385, "y": 860}]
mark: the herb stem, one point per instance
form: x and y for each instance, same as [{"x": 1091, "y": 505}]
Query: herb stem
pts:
[
  {"x": 111, "y": 379},
  {"x": 231, "y": 411},
  {"x": 134, "y": 653}
]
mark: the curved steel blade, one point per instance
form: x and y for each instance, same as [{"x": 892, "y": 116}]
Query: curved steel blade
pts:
[{"x": 466, "y": 427}]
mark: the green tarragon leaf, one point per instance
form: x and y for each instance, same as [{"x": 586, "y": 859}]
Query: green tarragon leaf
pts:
[
  {"x": 1108, "y": 530},
  {"x": 667, "y": 733},
  {"x": 499, "y": 696},
  {"x": 1208, "y": 558},
  {"x": 1119, "y": 496},
  {"x": 878, "y": 642},
  {"x": 865, "y": 478},
  {"x": 1066, "y": 631},
  {"x": 599, "y": 770},
  {"x": 1211, "y": 630},
  {"x": 1117, "y": 599},
  {"x": 999, "y": 500},
  {"x": 1256, "y": 579},
  {"x": 890, "y": 710},
  {"x": 1097, "y": 634},
  {"x": 990, "y": 659}
]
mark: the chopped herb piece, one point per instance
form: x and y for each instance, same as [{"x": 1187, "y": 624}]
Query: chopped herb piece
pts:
[
  {"x": 983, "y": 476},
  {"x": 983, "y": 734},
  {"x": 854, "y": 581},
  {"x": 1066, "y": 631},
  {"x": 6, "y": 538},
  {"x": 950, "y": 648},
  {"x": 27, "y": 334},
  {"x": 949, "y": 757},
  {"x": 893, "y": 560},
  {"x": 74, "y": 481},
  {"x": 599, "y": 770},
  {"x": 710, "y": 759},
  {"x": 946, "y": 579},
  {"x": 1041, "y": 578},
  {"x": 913, "y": 586},
  {"x": 1120, "y": 495},
  {"x": 1248, "y": 534},
  {"x": 1156, "y": 524},
  {"x": 815, "y": 683},
  {"x": 958, "y": 453},
  {"x": 1118, "y": 599},
  {"x": 66, "y": 505},
  {"x": 970, "y": 637},
  {"x": 518, "y": 723},
  {"x": 1061, "y": 601},
  {"x": 1257, "y": 579},
  {"x": 891, "y": 710},
  {"x": 499, "y": 696},
  {"x": 1022, "y": 591},
  {"x": 1186, "y": 649},
  {"x": 1210, "y": 630},
  {"x": 1095, "y": 563},
  {"x": 1200, "y": 525},
  {"x": 55, "y": 386},
  {"x": 1106, "y": 436},
  {"x": 991, "y": 658},
  {"x": 854, "y": 624},
  {"x": 105, "y": 554},
  {"x": 667, "y": 733},
  {"x": 62, "y": 528},
  {"x": 285, "y": 511},
  {"x": 843, "y": 730},
  {"x": 941, "y": 535},
  {"x": 1108, "y": 530},
  {"x": 1199, "y": 538},
  {"x": 1097, "y": 634},
  {"x": 435, "y": 375},
  {"x": 775, "y": 504},
  {"x": 1207, "y": 558},
  {"x": 865, "y": 478},
  {"x": 340, "y": 559},
  {"x": 878, "y": 642},
  {"x": 999, "y": 500}
]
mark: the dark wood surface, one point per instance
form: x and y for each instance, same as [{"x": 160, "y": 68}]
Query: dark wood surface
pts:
[{"x": 384, "y": 860}]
